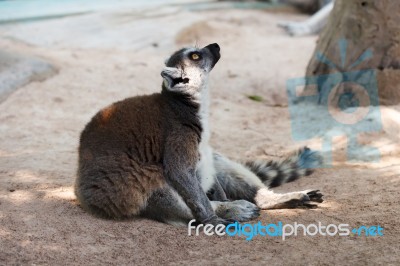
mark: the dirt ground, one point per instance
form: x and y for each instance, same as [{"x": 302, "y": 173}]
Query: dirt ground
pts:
[{"x": 40, "y": 221}]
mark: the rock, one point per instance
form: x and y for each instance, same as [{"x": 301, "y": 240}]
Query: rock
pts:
[{"x": 17, "y": 70}]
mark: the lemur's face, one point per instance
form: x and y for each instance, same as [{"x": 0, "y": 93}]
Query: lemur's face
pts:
[{"x": 187, "y": 70}]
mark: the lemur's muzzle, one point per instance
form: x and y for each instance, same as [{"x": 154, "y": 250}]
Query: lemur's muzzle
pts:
[{"x": 214, "y": 49}]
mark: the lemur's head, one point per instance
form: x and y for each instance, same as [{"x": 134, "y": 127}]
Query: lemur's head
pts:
[{"x": 187, "y": 70}]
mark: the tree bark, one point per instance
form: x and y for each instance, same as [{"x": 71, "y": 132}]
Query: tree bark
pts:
[{"x": 365, "y": 24}]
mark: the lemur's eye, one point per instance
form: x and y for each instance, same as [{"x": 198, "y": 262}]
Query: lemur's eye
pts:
[{"x": 195, "y": 56}]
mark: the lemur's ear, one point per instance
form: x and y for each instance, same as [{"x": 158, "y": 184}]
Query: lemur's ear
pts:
[{"x": 172, "y": 76}]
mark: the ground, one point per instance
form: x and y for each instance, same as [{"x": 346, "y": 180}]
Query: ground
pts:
[{"x": 106, "y": 56}]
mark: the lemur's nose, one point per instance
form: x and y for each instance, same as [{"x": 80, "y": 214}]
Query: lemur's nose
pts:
[{"x": 214, "y": 47}]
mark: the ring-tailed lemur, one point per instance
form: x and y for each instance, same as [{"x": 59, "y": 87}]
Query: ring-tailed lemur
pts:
[{"x": 149, "y": 156}]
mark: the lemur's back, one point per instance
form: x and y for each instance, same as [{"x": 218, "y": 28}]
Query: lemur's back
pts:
[{"x": 120, "y": 156}]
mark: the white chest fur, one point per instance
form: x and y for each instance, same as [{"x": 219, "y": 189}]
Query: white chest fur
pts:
[{"x": 205, "y": 167}]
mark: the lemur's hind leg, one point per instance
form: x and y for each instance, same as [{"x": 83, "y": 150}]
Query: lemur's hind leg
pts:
[
  {"x": 267, "y": 199},
  {"x": 239, "y": 182},
  {"x": 165, "y": 205}
]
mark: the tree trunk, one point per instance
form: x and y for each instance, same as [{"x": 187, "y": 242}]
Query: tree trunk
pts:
[{"x": 372, "y": 28}]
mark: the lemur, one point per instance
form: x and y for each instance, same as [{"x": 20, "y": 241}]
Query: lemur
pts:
[{"x": 150, "y": 156}]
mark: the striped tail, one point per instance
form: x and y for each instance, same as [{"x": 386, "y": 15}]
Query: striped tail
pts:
[{"x": 276, "y": 173}]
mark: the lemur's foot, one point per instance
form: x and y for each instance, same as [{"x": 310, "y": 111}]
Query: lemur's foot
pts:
[
  {"x": 315, "y": 195},
  {"x": 238, "y": 210},
  {"x": 305, "y": 199},
  {"x": 296, "y": 28}
]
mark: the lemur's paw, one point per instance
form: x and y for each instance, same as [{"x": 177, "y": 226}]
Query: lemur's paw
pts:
[
  {"x": 305, "y": 199},
  {"x": 239, "y": 210},
  {"x": 315, "y": 195}
]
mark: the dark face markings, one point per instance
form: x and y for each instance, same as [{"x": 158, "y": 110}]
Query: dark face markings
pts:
[
  {"x": 204, "y": 58},
  {"x": 176, "y": 58}
]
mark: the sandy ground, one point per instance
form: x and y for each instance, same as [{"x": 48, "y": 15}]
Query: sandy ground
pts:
[{"x": 109, "y": 56}]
